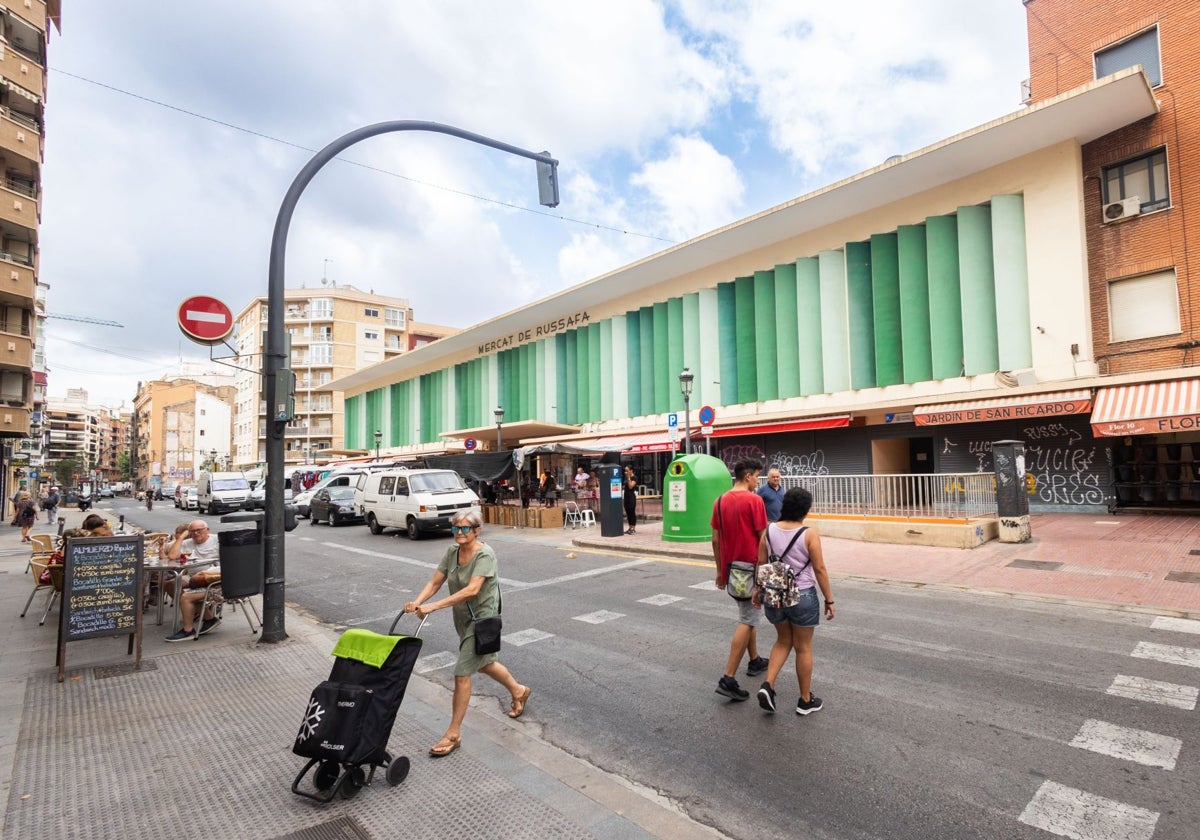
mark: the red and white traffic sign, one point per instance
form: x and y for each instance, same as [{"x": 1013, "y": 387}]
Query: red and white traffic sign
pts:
[
  {"x": 469, "y": 444},
  {"x": 205, "y": 320}
]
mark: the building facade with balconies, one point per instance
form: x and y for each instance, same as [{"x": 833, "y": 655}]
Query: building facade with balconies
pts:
[
  {"x": 177, "y": 424},
  {"x": 333, "y": 331}
]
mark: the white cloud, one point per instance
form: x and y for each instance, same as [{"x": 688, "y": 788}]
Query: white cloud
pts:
[{"x": 696, "y": 187}]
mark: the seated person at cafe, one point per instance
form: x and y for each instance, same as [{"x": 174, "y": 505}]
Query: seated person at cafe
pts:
[
  {"x": 96, "y": 526},
  {"x": 200, "y": 545}
]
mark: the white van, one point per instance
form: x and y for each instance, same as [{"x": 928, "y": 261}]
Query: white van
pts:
[
  {"x": 415, "y": 500},
  {"x": 222, "y": 491}
]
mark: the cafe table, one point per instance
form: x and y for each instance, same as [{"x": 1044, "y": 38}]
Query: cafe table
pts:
[{"x": 164, "y": 570}]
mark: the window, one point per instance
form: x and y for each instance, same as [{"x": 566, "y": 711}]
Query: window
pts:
[
  {"x": 1143, "y": 306},
  {"x": 323, "y": 378},
  {"x": 370, "y": 313},
  {"x": 321, "y": 308},
  {"x": 370, "y": 357},
  {"x": 368, "y": 335},
  {"x": 321, "y": 354},
  {"x": 394, "y": 317},
  {"x": 1144, "y": 177},
  {"x": 1140, "y": 49}
]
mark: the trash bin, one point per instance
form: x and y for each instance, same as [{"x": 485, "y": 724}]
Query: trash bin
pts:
[
  {"x": 241, "y": 551},
  {"x": 691, "y": 487}
]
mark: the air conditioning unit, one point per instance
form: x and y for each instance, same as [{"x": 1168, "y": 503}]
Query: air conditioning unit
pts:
[{"x": 1119, "y": 211}]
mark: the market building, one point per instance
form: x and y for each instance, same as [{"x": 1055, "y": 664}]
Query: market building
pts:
[{"x": 1027, "y": 279}]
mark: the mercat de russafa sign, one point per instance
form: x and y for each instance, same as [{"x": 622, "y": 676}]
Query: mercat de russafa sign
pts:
[{"x": 534, "y": 333}]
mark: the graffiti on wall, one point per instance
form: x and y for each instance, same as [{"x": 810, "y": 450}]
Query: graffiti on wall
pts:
[
  {"x": 788, "y": 463},
  {"x": 1059, "y": 459}
]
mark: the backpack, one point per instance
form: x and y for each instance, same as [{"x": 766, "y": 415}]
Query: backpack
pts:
[{"x": 776, "y": 580}]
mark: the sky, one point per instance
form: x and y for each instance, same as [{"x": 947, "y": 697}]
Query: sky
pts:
[{"x": 174, "y": 129}]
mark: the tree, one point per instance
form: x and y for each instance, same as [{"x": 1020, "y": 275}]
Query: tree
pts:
[
  {"x": 65, "y": 470},
  {"x": 123, "y": 466}
]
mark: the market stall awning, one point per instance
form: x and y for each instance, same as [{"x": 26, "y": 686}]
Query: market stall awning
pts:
[
  {"x": 1149, "y": 408},
  {"x": 802, "y": 425},
  {"x": 1024, "y": 407},
  {"x": 633, "y": 444}
]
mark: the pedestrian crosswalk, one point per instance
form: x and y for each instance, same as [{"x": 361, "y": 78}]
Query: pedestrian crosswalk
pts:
[{"x": 1070, "y": 812}]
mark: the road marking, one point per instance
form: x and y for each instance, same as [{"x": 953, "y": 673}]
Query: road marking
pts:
[
  {"x": 1073, "y": 813},
  {"x": 1155, "y": 691},
  {"x": 1148, "y": 748},
  {"x": 599, "y": 617},
  {"x": 1109, "y": 522},
  {"x": 1171, "y": 654},
  {"x": 913, "y": 643},
  {"x": 586, "y": 574},
  {"x": 708, "y": 584},
  {"x": 1179, "y": 625},
  {"x": 306, "y": 539},
  {"x": 660, "y": 600},
  {"x": 435, "y": 662},
  {"x": 525, "y": 637}
]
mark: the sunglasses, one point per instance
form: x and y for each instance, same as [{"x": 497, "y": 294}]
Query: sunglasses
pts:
[{"x": 461, "y": 529}]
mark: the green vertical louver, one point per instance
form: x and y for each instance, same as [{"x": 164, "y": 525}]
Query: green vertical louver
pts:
[
  {"x": 579, "y": 375},
  {"x": 787, "y": 344},
  {"x": 766, "y": 361},
  {"x": 1012, "y": 282},
  {"x": 746, "y": 343},
  {"x": 561, "y": 388},
  {"x": 569, "y": 375},
  {"x": 595, "y": 363},
  {"x": 885, "y": 300},
  {"x": 662, "y": 373},
  {"x": 835, "y": 337},
  {"x": 808, "y": 326},
  {"x": 978, "y": 281},
  {"x": 727, "y": 337},
  {"x": 674, "y": 351},
  {"x": 646, "y": 328},
  {"x": 945, "y": 297},
  {"x": 914, "y": 303},
  {"x": 860, "y": 313},
  {"x": 352, "y": 413},
  {"x": 606, "y": 369},
  {"x": 633, "y": 363}
]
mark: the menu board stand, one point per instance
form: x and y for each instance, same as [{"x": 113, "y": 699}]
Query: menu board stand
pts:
[{"x": 101, "y": 593}]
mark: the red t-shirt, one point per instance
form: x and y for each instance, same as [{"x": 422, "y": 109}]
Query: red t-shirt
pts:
[{"x": 743, "y": 517}]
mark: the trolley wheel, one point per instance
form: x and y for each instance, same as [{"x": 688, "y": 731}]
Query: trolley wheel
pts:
[
  {"x": 327, "y": 773},
  {"x": 397, "y": 771},
  {"x": 354, "y": 782}
]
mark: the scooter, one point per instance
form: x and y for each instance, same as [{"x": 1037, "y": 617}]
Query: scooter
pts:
[{"x": 85, "y": 502}]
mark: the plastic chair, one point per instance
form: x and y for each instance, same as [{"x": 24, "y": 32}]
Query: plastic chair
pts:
[
  {"x": 586, "y": 518},
  {"x": 572, "y": 515},
  {"x": 53, "y": 588}
]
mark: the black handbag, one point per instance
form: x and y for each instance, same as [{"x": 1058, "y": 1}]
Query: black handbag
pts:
[{"x": 487, "y": 630}]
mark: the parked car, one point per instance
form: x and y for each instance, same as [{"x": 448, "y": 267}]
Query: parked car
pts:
[
  {"x": 106, "y": 493},
  {"x": 181, "y": 495},
  {"x": 258, "y": 496},
  {"x": 346, "y": 478},
  {"x": 167, "y": 491},
  {"x": 334, "y": 505},
  {"x": 190, "y": 498},
  {"x": 419, "y": 501}
]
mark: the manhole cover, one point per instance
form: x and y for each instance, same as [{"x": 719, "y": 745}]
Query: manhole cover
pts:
[
  {"x": 342, "y": 828},
  {"x": 1184, "y": 577},
  {"x": 106, "y": 671},
  {"x": 1044, "y": 565}
]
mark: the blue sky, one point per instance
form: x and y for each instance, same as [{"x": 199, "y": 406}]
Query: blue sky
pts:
[{"x": 670, "y": 119}]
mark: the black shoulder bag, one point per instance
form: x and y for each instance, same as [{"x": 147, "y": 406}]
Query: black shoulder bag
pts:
[{"x": 487, "y": 630}]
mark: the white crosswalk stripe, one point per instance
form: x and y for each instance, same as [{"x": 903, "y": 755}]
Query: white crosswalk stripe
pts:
[
  {"x": 1171, "y": 654},
  {"x": 1179, "y": 625},
  {"x": 1155, "y": 691},
  {"x": 599, "y": 617},
  {"x": 708, "y": 584},
  {"x": 1078, "y": 814},
  {"x": 660, "y": 600},
  {"x": 434, "y": 662},
  {"x": 1148, "y": 748},
  {"x": 525, "y": 637}
]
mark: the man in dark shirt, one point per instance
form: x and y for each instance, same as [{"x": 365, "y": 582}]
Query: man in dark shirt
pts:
[{"x": 772, "y": 494}]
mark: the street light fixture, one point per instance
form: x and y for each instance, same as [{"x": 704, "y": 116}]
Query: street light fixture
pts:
[
  {"x": 378, "y": 440},
  {"x": 499, "y": 412},
  {"x": 685, "y": 387}
]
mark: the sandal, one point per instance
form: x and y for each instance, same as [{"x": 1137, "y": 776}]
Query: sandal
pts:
[
  {"x": 447, "y": 745},
  {"x": 518, "y": 704}
]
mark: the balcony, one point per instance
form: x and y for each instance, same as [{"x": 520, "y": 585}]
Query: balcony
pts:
[
  {"x": 20, "y": 135},
  {"x": 16, "y": 352},
  {"x": 32, "y": 14},
  {"x": 23, "y": 68},
  {"x": 14, "y": 422},
  {"x": 17, "y": 282},
  {"x": 16, "y": 207}
]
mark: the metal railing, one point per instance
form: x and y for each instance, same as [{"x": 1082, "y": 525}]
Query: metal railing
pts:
[{"x": 958, "y": 496}]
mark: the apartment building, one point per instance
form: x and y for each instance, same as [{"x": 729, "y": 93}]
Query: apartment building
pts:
[
  {"x": 91, "y": 436},
  {"x": 334, "y": 330},
  {"x": 25, "y": 28},
  {"x": 180, "y": 424}
]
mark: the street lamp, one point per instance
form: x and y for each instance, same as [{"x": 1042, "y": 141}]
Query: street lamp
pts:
[
  {"x": 378, "y": 439},
  {"x": 685, "y": 387},
  {"x": 499, "y": 412}
]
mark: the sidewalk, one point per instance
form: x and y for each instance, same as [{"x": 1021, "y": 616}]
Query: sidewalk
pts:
[
  {"x": 1141, "y": 563},
  {"x": 198, "y": 743}
]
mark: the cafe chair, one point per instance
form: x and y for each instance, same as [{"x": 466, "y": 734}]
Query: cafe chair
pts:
[
  {"x": 241, "y": 579},
  {"x": 43, "y": 547},
  {"x": 53, "y": 588}
]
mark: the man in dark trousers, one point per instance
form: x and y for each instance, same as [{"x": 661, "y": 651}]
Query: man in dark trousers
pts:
[{"x": 738, "y": 521}]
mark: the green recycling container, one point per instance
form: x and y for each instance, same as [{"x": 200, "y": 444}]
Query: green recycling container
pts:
[{"x": 691, "y": 487}]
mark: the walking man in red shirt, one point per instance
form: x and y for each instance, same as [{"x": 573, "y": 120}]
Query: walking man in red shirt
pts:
[{"x": 738, "y": 521}]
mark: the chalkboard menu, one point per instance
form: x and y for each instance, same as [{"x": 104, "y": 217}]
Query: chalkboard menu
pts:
[{"x": 102, "y": 584}]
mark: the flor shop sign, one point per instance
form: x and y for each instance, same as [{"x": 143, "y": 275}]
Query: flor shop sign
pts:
[{"x": 538, "y": 331}]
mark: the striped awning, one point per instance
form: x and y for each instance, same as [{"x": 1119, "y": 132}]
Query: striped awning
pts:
[
  {"x": 1025, "y": 407},
  {"x": 20, "y": 91},
  {"x": 649, "y": 442},
  {"x": 1150, "y": 408}
]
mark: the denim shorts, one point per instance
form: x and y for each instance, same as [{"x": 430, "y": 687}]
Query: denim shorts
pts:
[{"x": 805, "y": 613}]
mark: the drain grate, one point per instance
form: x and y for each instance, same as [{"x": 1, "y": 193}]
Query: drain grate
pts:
[
  {"x": 103, "y": 672},
  {"x": 1195, "y": 552},
  {"x": 1183, "y": 577},
  {"x": 342, "y": 828},
  {"x": 1043, "y": 565}
]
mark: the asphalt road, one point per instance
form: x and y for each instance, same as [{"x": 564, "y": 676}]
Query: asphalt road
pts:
[{"x": 946, "y": 714}]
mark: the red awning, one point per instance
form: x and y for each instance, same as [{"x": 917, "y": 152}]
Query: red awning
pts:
[
  {"x": 1150, "y": 408},
  {"x": 783, "y": 426},
  {"x": 1026, "y": 407},
  {"x": 649, "y": 442}
]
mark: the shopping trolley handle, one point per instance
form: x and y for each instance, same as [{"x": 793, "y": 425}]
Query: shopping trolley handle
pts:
[{"x": 392, "y": 629}]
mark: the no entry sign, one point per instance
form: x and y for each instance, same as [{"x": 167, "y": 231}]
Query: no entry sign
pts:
[{"x": 205, "y": 319}]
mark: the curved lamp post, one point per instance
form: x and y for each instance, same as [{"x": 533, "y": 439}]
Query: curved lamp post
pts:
[
  {"x": 499, "y": 412},
  {"x": 275, "y": 369},
  {"x": 685, "y": 387},
  {"x": 378, "y": 440}
]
